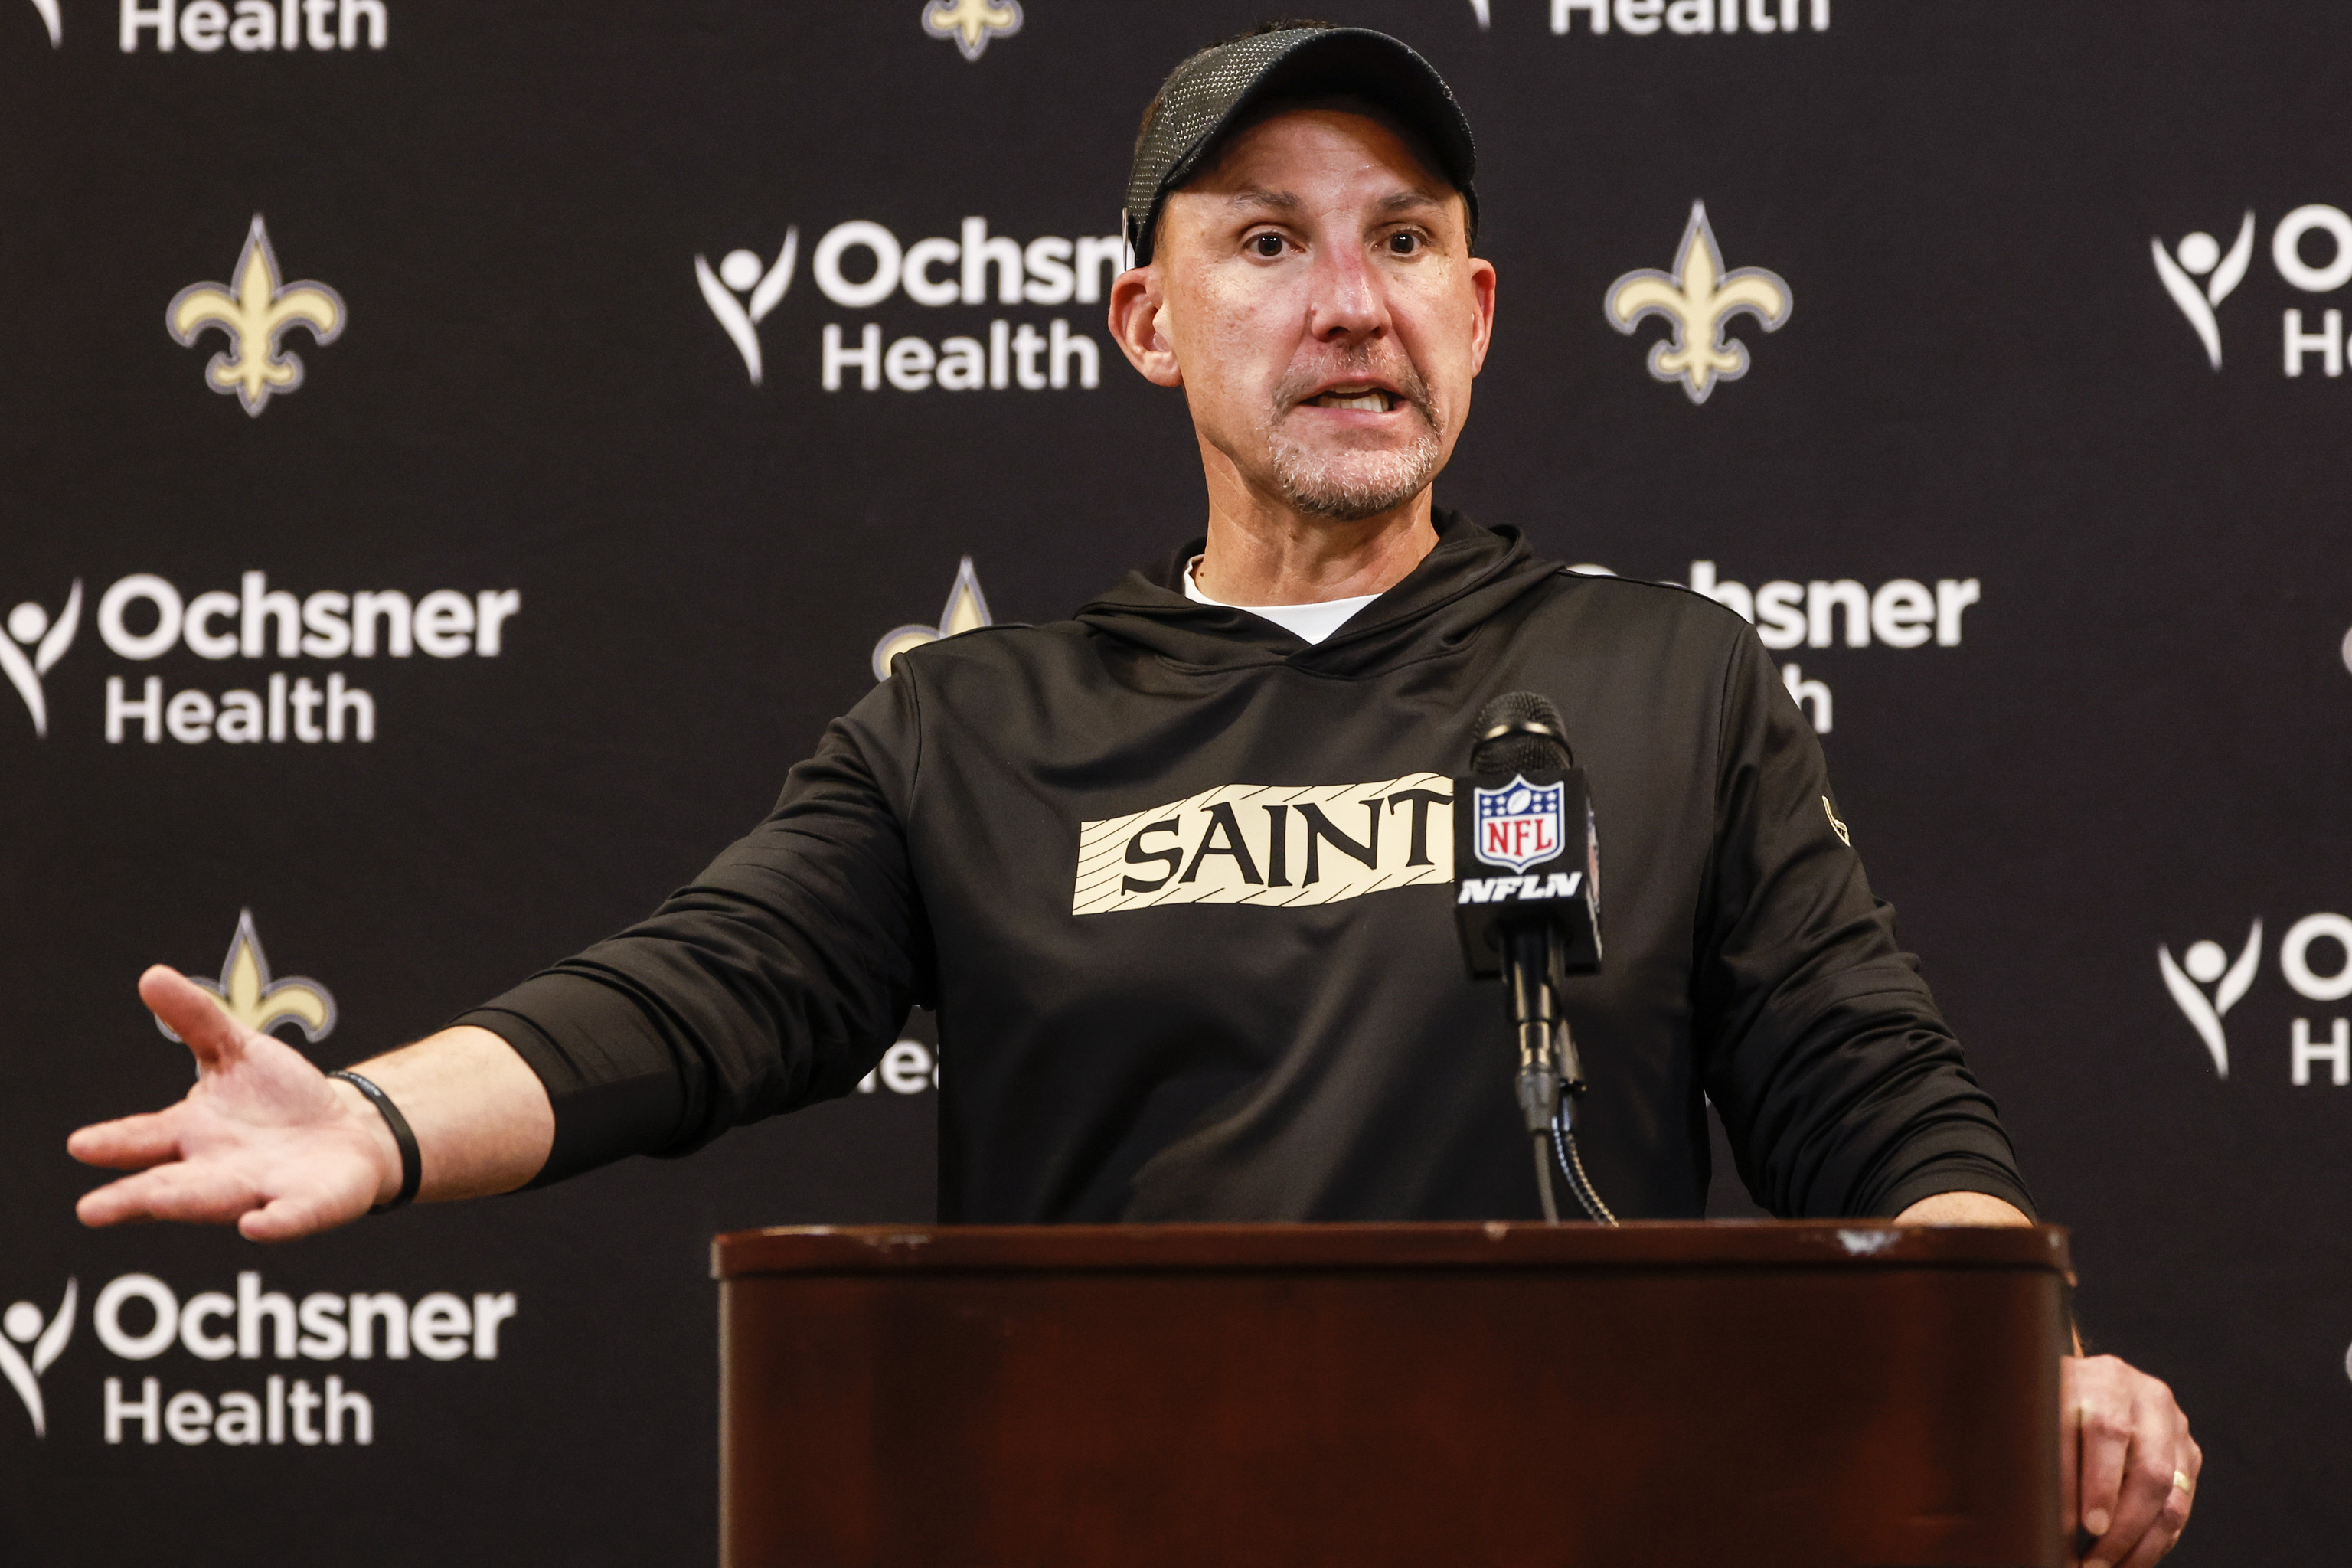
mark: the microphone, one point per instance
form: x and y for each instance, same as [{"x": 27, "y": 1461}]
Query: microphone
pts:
[
  {"x": 1526, "y": 857},
  {"x": 1526, "y": 867}
]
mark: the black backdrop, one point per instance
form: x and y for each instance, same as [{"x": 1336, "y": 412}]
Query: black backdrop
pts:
[{"x": 2137, "y": 741}]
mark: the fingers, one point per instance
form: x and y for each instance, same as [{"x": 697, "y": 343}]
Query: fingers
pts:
[
  {"x": 2105, "y": 1442},
  {"x": 2146, "y": 1487},
  {"x": 135, "y": 1143},
  {"x": 2162, "y": 1536},
  {"x": 279, "y": 1221},
  {"x": 2179, "y": 1503},
  {"x": 190, "y": 1011},
  {"x": 290, "y": 1219},
  {"x": 174, "y": 1192},
  {"x": 228, "y": 1193},
  {"x": 107, "y": 1207},
  {"x": 131, "y": 1144},
  {"x": 2137, "y": 1464}
]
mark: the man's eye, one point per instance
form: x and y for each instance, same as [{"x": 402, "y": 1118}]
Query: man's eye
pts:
[
  {"x": 1269, "y": 246},
  {"x": 1405, "y": 243}
]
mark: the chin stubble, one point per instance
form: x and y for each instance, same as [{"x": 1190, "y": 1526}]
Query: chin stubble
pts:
[{"x": 1347, "y": 487}]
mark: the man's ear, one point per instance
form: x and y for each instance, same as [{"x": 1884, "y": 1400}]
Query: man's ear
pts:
[
  {"x": 1136, "y": 303},
  {"x": 1481, "y": 334}
]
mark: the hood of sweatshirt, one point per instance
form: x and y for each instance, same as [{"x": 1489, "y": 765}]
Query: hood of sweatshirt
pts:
[{"x": 1472, "y": 573}]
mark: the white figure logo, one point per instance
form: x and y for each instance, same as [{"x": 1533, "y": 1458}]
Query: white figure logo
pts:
[
  {"x": 57, "y": 23},
  {"x": 45, "y": 642},
  {"x": 2199, "y": 256},
  {"x": 23, "y": 1326},
  {"x": 1484, "y": 19},
  {"x": 2204, "y": 964},
  {"x": 743, "y": 272}
]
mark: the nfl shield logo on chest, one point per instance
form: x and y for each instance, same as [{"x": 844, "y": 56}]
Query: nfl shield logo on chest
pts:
[{"x": 1519, "y": 824}]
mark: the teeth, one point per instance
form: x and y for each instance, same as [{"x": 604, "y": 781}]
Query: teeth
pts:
[{"x": 1370, "y": 401}]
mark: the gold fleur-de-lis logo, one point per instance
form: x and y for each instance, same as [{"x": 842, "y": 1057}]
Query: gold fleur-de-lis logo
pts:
[
  {"x": 248, "y": 993},
  {"x": 256, "y": 311},
  {"x": 1699, "y": 298},
  {"x": 971, "y": 23},
  {"x": 967, "y": 610}
]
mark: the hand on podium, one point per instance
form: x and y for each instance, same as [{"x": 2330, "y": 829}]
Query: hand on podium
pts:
[
  {"x": 269, "y": 1143},
  {"x": 2127, "y": 1465}
]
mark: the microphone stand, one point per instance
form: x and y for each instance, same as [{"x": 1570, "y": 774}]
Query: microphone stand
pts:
[
  {"x": 1534, "y": 1024},
  {"x": 1551, "y": 1075}
]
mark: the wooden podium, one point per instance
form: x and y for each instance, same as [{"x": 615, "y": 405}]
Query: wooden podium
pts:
[{"x": 1134, "y": 1396}]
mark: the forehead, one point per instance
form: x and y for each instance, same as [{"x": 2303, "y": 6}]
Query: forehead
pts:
[{"x": 1328, "y": 147}]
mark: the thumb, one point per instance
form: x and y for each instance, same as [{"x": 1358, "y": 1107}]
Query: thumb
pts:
[{"x": 191, "y": 1012}]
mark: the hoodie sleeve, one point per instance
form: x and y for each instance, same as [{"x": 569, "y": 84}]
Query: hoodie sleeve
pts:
[
  {"x": 778, "y": 977},
  {"x": 1842, "y": 1088}
]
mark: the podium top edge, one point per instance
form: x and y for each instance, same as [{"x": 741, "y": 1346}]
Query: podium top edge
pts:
[{"x": 1210, "y": 1248}]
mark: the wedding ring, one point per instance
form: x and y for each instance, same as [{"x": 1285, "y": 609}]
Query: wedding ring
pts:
[{"x": 2181, "y": 1483}]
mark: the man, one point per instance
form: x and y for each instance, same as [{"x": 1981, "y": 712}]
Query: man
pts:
[{"x": 1171, "y": 872}]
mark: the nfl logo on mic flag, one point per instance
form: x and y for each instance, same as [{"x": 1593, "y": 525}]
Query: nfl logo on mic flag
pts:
[
  {"x": 1518, "y": 823},
  {"x": 1517, "y": 863}
]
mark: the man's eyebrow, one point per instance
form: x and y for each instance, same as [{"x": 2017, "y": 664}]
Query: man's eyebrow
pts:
[
  {"x": 1404, "y": 201},
  {"x": 1288, "y": 202},
  {"x": 1279, "y": 200}
]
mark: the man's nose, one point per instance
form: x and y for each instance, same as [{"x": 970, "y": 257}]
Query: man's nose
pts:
[{"x": 1346, "y": 304}]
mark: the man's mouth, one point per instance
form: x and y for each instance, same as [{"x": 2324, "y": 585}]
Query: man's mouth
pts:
[{"x": 1367, "y": 400}]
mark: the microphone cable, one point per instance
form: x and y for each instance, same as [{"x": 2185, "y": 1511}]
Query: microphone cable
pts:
[
  {"x": 1563, "y": 1142},
  {"x": 1563, "y": 1147}
]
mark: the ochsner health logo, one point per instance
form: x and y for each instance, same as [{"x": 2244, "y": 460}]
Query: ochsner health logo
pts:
[
  {"x": 744, "y": 272},
  {"x": 44, "y": 640},
  {"x": 2199, "y": 256},
  {"x": 976, "y": 275},
  {"x": 2314, "y": 959},
  {"x": 2205, "y": 963},
  {"x": 43, "y": 1343},
  {"x": 142, "y": 617},
  {"x": 2311, "y": 251}
]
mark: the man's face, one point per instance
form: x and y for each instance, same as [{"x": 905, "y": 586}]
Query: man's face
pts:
[{"x": 1318, "y": 297}]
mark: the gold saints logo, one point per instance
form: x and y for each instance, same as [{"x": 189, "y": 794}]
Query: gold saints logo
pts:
[
  {"x": 1836, "y": 826},
  {"x": 967, "y": 610},
  {"x": 246, "y": 993},
  {"x": 971, "y": 23},
  {"x": 1699, "y": 298},
  {"x": 256, "y": 313}
]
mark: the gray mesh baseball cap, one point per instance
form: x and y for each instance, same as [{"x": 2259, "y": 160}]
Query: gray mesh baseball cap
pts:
[{"x": 1206, "y": 96}]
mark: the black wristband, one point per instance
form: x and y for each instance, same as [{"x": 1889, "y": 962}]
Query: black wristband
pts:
[{"x": 412, "y": 1160}]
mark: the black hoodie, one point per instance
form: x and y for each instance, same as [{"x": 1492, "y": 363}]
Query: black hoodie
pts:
[{"x": 1179, "y": 886}]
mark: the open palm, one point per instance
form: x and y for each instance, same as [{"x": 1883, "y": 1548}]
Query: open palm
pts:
[{"x": 265, "y": 1141}]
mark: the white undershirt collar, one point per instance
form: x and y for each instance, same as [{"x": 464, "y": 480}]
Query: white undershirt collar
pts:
[{"x": 1307, "y": 623}]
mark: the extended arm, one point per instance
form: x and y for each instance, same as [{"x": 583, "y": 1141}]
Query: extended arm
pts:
[
  {"x": 268, "y": 1143},
  {"x": 778, "y": 977}
]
